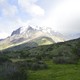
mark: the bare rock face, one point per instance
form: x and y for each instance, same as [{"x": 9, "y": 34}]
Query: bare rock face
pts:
[{"x": 16, "y": 32}]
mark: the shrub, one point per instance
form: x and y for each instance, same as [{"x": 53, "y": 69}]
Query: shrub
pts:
[
  {"x": 39, "y": 65},
  {"x": 20, "y": 74},
  {"x": 24, "y": 54},
  {"x": 4, "y": 59},
  {"x": 65, "y": 59}
]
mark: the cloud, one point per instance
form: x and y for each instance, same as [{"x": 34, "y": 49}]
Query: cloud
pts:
[
  {"x": 65, "y": 17},
  {"x": 9, "y": 11},
  {"x": 20, "y": 22},
  {"x": 30, "y": 6},
  {"x": 3, "y": 35},
  {"x": 2, "y": 1}
]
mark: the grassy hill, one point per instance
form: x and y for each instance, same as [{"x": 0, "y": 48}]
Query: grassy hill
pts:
[{"x": 59, "y": 61}]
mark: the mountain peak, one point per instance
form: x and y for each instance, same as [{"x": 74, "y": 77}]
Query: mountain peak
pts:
[
  {"x": 21, "y": 30},
  {"x": 30, "y": 29},
  {"x": 16, "y": 32}
]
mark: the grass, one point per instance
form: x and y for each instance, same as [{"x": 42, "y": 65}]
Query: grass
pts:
[{"x": 57, "y": 72}]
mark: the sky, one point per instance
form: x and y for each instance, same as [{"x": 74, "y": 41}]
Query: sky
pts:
[{"x": 61, "y": 15}]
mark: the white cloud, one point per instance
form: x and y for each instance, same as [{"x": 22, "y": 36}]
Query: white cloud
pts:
[
  {"x": 9, "y": 11},
  {"x": 19, "y": 22},
  {"x": 64, "y": 16},
  {"x": 36, "y": 10},
  {"x": 30, "y": 6},
  {"x": 3, "y": 35},
  {"x": 2, "y": 1}
]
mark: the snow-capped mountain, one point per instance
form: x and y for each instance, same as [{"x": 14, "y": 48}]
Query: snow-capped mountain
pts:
[
  {"x": 39, "y": 35},
  {"x": 22, "y": 30},
  {"x": 30, "y": 29}
]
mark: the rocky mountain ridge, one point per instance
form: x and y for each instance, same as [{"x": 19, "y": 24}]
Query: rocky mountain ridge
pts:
[{"x": 32, "y": 34}]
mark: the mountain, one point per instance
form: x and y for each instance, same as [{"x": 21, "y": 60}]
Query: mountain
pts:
[{"x": 29, "y": 34}]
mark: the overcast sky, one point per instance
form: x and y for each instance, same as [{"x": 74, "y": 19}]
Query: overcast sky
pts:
[{"x": 62, "y": 15}]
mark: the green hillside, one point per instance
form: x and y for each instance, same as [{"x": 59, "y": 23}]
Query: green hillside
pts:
[{"x": 59, "y": 61}]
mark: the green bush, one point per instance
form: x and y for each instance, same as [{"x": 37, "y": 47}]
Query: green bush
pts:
[
  {"x": 4, "y": 59},
  {"x": 39, "y": 65},
  {"x": 65, "y": 59},
  {"x": 24, "y": 54},
  {"x": 20, "y": 74}
]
